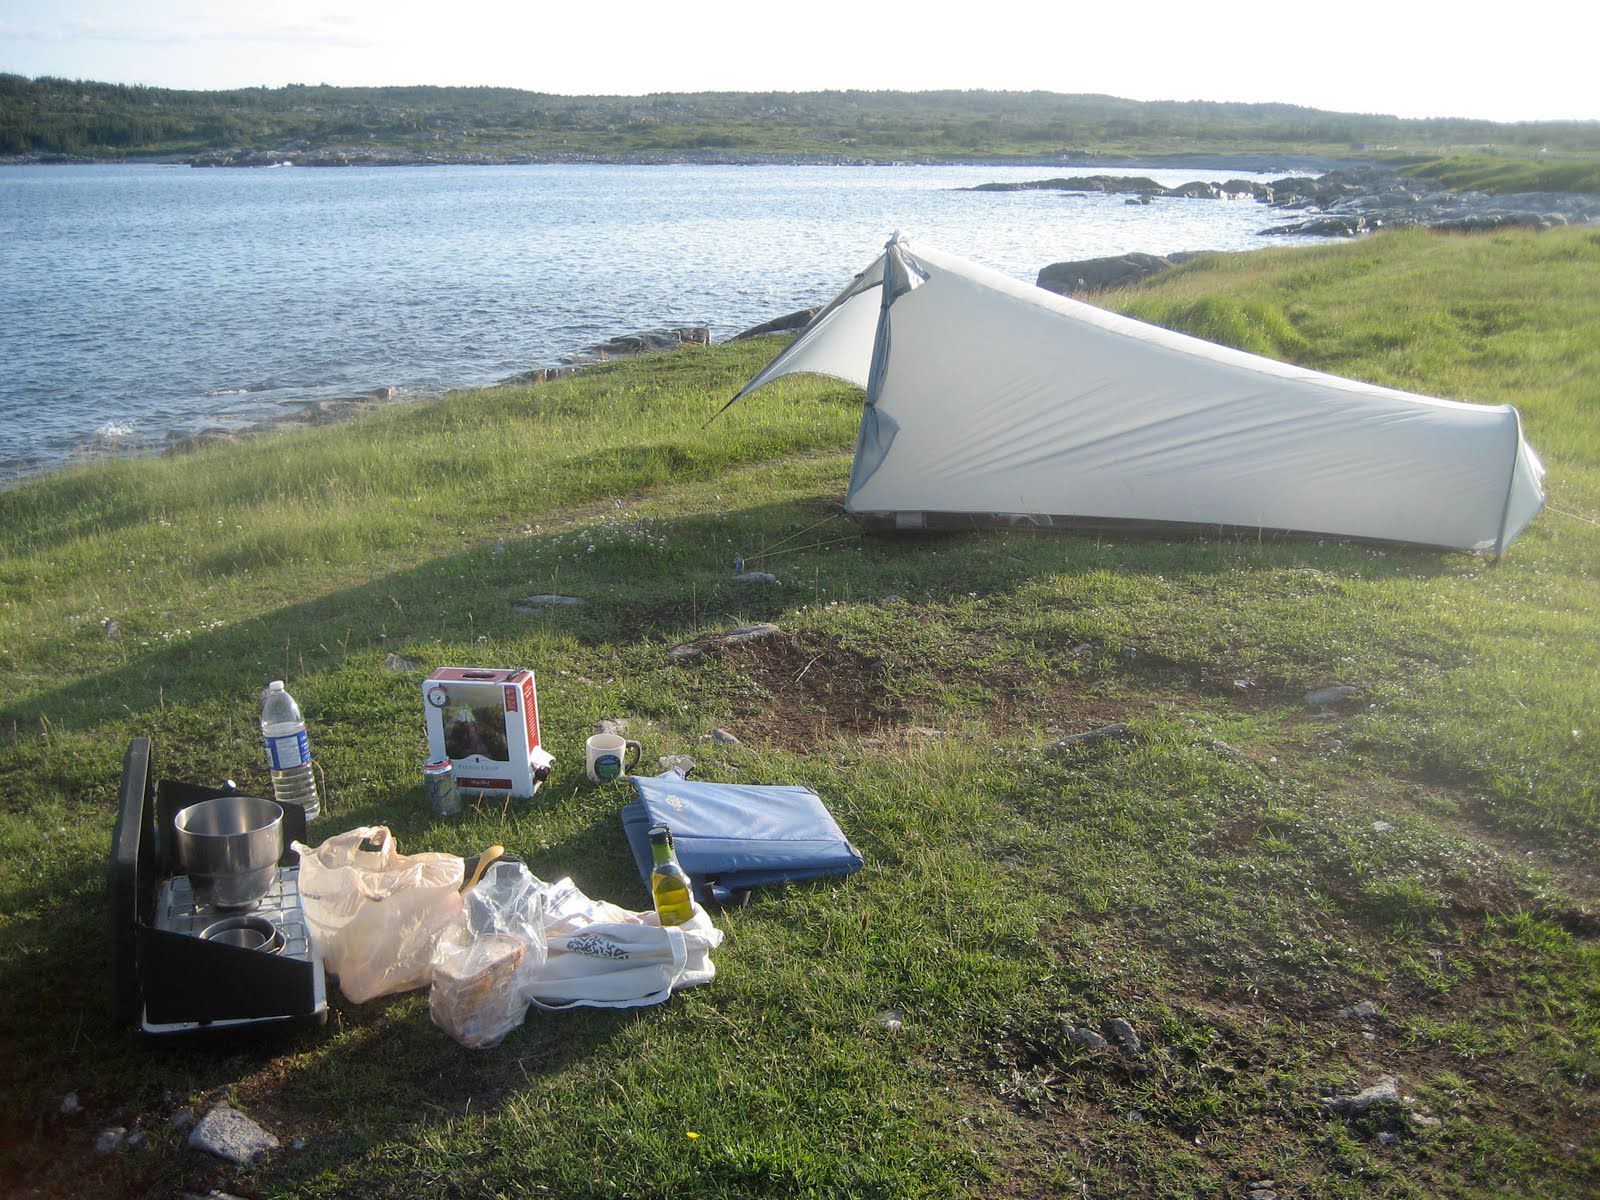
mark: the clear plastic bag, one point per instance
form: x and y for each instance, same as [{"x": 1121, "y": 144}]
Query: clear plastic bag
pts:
[
  {"x": 376, "y": 913},
  {"x": 519, "y": 941},
  {"x": 568, "y": 910},
  {"x": 483, "y": 962}
]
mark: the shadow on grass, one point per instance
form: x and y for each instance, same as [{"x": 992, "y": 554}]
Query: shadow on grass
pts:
[
  {"x": 668, "y": 585},
  {"x": 376, "y": 1072}
]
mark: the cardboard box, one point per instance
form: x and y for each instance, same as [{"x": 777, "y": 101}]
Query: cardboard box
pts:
[{"x": 485, "y": 720}]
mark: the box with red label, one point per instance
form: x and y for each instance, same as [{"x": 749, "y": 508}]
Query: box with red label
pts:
[{"x": 486, "y": 722}]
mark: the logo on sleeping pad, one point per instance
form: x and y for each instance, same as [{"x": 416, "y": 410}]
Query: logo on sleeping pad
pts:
[{"x": 595, "y": 946}]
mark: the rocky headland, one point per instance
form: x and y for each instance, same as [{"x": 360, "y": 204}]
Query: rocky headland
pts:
[{"x": 1344, "y": 203}]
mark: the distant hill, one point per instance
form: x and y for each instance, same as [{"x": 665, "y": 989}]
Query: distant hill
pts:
[{"x": 49, "y": 116}]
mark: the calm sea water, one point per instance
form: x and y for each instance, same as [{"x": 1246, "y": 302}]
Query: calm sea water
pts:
[{"x": 141, "y": 301}]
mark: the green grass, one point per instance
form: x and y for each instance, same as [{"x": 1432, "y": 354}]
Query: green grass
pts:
[
  {"x": 1495, "y": 173},
  {"x": 1227, "y": 880}
]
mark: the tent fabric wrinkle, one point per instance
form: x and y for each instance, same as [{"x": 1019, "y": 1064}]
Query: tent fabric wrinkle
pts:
[{"x": 991, "y": 401}]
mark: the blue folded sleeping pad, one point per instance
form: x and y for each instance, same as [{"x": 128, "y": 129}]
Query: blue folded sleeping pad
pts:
[{"x": 733, "y": 837}]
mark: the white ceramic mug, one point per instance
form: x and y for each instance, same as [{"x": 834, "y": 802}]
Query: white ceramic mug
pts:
[{"x": 606, "y": 756}]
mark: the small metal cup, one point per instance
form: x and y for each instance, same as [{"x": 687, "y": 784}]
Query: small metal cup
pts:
[
  {"x": 248, "y": 933},
  {"x": 229, "y": 848}
]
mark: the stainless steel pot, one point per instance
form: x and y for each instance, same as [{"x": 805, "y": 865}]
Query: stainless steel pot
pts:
[{"x": 229, "y": 848}]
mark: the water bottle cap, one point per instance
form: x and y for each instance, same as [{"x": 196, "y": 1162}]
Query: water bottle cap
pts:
[{"x": 275, "y": 686}]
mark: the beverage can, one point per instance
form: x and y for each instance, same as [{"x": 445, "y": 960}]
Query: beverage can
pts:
[{"x": 444, "y": 798}]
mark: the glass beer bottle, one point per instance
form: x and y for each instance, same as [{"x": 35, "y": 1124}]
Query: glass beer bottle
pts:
[{"x": 669, "y": 886}]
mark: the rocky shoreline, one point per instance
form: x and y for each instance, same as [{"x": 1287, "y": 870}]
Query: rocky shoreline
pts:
[
  {"x": 1346, "y": 202},
  {"x": 331, "y": 410}
]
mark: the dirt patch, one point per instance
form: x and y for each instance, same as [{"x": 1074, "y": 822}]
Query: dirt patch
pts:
[
  {"x": 1246, "y": 1104},
  {"x": 1570, "y": 866},
  {"x": 1469, "y": 816},
  {"x": 805, "y": 689}
]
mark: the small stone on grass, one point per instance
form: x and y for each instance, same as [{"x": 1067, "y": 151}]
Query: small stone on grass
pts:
[
  {"x": 1122, "y": 1033},
  {"x": 1085, "y": 1038},
  {"x": 1332, "y": 695},
  {"x": 1118, "y": 732},
  {"x": 110, "y": 1140},
  {"x": 689, "y": 651},
  {"x": 1385, "y": 1092},
  {"x": 228, "y": 1133}
]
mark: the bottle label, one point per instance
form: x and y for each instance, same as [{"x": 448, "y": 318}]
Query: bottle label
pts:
[{"x": 289, "y": 751}]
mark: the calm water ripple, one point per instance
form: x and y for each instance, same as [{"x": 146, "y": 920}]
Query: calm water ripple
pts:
[{"x": 139, "y": 302}]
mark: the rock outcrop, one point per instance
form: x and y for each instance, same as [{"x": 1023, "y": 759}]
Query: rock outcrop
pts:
[
  {"x": 1077, "y": 183},
  {"x": 1097, "y": 274},
  {"x": 788, "y": 323},
  {"x": 1140, "y": 186},
  {"x": 1363, "y": 200},
  {"x": 1341, "y": 203},
  {"x": 649, "y": 341}
]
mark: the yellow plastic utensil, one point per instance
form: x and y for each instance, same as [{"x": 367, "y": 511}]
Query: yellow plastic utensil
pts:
[{"x": 485, "y": 860}]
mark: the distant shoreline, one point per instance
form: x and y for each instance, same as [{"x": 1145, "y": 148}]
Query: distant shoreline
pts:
[{"x": 1254, "y": 161}]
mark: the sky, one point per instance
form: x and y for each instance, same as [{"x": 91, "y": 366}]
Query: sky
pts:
[{"x": 1413, "y": 58}]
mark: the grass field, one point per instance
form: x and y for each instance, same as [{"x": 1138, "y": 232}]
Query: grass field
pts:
[
  {"x": 1496, "y": 173},
  {"x": 1228, "y": 880}
]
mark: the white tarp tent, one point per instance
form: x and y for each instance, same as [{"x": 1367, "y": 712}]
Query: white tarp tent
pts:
[{"x": 993, "y": 402}]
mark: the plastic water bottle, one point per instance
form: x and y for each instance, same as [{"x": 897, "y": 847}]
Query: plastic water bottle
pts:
[{"x": 288, "y": 750}]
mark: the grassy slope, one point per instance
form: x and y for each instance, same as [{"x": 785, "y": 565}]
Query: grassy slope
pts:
[
  {"x": 1496, "y": 173},
  {"x": 1220, "y": 881}
]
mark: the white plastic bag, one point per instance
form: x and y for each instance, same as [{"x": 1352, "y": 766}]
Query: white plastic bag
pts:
[
  {"x": 483, "y": 962},
  {"x": 376, "y": 913},
  {"x": 625, "y": 964}
]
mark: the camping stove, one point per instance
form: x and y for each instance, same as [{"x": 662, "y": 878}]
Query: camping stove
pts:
[
  {"x": 277, "y": 914},
  {"x": 180, "y": 966}
]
